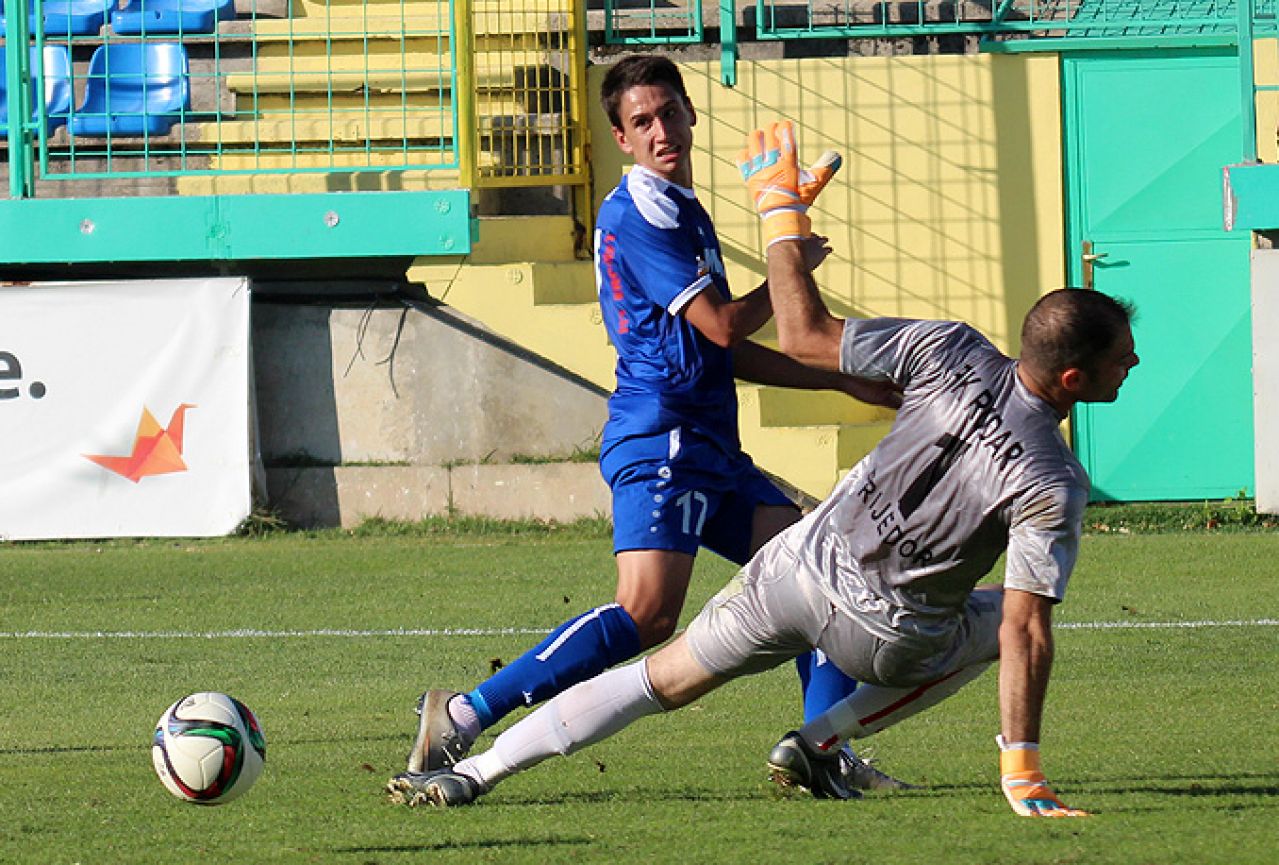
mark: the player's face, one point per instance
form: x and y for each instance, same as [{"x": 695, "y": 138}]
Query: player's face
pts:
[
  {"x": 1109, "y": 372},
  {"x": 657, "y": 131}
]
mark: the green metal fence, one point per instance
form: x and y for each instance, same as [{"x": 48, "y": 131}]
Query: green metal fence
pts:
[
  {"x": 312, "y": 87},
  {"x": 653, "y": 23},
  {"x": 680, "y": 22},
  {"x": 472, "y": 92}
]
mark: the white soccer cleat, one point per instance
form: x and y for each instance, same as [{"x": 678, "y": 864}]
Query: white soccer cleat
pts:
[{"x": 439, "y": 743}]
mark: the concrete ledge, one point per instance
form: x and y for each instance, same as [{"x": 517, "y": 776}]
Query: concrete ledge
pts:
[
  {"x": 552, "y": 491},
  {"x": 324, "y": 497}
]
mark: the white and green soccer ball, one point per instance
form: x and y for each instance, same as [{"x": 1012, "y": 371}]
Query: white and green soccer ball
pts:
[{"x": 208, "y": 748}]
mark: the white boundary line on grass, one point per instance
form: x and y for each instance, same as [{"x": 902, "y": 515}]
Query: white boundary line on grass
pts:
[
  {"x": 243, "y": 633},
  {"x": 1139, "y": 626},
  {"x": 248, "y": 633}
]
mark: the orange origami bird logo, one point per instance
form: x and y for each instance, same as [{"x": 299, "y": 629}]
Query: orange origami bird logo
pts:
[{"x": 157, "y": 450}]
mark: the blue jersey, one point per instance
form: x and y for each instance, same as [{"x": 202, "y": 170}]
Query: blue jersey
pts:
[{"x": 656, "y": 250}]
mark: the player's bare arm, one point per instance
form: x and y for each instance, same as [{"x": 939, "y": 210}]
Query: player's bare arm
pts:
[
  {"x": 760, "y": 364},
  {"x": 1025, "y": 663},
  {"x": 806, "y": 330},
  {"x": 728, "y": 323}
]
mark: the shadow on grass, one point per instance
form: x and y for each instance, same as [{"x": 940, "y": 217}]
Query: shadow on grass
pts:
[
  {"x": 72, "y": 749},
  {"x": 513, "y": 843},
  {"x": 1262, "y": 785},
  {"x": 146, "y": 746}
]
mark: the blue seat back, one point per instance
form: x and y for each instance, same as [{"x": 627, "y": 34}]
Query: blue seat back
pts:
[
  {"x": 224, "y": 9},
  {"x": 56, "y": 75},
  {"x": 57, "y": 85},
  {"x": 142, "y": 17},
  {"x": 134, "y": 87},
  {"x": 67, "y": 17}
]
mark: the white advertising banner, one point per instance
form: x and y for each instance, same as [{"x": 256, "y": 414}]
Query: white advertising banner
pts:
[{"x": 125, "y": 409}]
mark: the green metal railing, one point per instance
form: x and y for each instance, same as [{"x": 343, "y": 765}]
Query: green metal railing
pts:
[
  {"x": 1053, "y": 18},
  {"x": 677, "y": 23},
  {"x": 492, "y": 92},
  {"x": 1003, "y": 25},
  {"x": 1253, "y": 22},
  {"x": 324, "y": 91},
  {"x": 681, "y": 22}
]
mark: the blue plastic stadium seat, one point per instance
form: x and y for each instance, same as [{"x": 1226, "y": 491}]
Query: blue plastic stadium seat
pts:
[
  {"x": 134, "y": 88},
  {"x": 56, "y": 75},
  {"x": 141, "y": 17},
  {"x": 74, "y": 17},
  {"x": 63, "y": 18}
]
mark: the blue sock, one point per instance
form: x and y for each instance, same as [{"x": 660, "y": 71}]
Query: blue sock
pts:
[
  {"x": 822, "y": 682},
  {"x": 580, "y": 648}
]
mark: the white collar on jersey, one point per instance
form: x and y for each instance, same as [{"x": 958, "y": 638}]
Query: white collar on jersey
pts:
[{"x": 656, "y": 180}]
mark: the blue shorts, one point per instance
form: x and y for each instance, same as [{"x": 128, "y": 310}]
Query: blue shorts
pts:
[{"x": 679, "y": 492}]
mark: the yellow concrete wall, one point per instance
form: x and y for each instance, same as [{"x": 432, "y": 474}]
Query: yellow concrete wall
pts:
[
  {"x": 950, "y": 201},
  {"x": 1265, "y": 58}
]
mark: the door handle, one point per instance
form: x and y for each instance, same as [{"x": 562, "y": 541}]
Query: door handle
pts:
[{"x": 1088, "y": 258}]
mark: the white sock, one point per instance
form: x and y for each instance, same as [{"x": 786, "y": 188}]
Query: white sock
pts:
[
  {"x": 871, "y": 708},
  {"x": 464, "y": 717},
  {"x": 581, "y": 716}
]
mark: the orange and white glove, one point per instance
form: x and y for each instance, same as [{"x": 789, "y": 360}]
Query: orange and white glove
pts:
[
  {"x": 1024, "y": 783},
  {"x": 780, "y": 190}
]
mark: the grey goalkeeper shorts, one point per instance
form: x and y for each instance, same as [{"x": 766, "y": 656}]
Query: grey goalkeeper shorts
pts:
[{"x": 771, "y": 612}]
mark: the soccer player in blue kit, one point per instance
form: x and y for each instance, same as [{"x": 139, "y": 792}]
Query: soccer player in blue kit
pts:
[{"x": 670, "y": 452}]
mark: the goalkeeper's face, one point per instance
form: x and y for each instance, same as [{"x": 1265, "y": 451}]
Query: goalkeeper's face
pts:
[{"x": 657, "y": 131}]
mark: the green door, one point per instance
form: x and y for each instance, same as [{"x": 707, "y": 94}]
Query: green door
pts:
[{"x": 1146, "y": 136}]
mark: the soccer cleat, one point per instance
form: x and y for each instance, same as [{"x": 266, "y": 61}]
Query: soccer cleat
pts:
[
  {"x": 439, "y": 744},
  {"x": 792, "y": 763},
  {"x": 860, "y": 775},
  {"x": 441, "y": 788}
]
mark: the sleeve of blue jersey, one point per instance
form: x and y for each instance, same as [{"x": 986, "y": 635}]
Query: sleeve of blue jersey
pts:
[{"x": 663, "y": 262}]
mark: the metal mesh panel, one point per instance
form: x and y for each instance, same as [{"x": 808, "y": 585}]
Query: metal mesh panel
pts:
[
  {"x": 648, "y": 22},
  {"x": 530, "y": 88},
  {"x": 1076, "y": 18},
  {"x": 311, "y": 87}
]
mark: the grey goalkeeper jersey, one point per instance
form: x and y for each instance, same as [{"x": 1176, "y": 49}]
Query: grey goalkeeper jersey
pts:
[{"x": 975, "y": 464}]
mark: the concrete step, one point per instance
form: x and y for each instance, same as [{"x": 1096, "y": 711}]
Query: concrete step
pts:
[
  {"x": 516, "y": 29},
  {"x": 322, "y": 497},
  {"x": 812, "y": 458},
  {"x": 547, "y": 239},
  {"x": 346, "y": 96},
  {"x": 420, "y": 58},
  {"x": 316, "y": 181},
  {"x": 779, "y": 406},
  {"x": 353, "y": 127},
  {"x": 546, "y": 307},
  {"x": 265, "y": 160}
]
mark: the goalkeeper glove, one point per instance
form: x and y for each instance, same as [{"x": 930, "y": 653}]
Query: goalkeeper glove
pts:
[
  {"x": 1024, "y": 783},
  {"x": 780, "y": 190}
]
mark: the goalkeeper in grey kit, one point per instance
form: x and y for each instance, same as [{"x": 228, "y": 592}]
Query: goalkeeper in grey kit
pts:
[{"x": 882, "y": 576}]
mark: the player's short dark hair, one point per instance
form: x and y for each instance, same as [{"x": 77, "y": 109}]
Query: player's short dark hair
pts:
[
  {"x": 637, "y": 70},
  {"x": 1071, "y": 327}
]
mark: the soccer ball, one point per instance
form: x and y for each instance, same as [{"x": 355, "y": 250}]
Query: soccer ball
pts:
[{"x": 208, "y": 748}]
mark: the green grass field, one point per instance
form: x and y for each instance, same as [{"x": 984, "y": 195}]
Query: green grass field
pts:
[{"x": 1170, "y": 735}]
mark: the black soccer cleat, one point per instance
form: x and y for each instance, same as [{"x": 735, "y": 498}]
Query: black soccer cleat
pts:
[
  {"x": 793, "y": 764},
  {"x": 442, "y": 788}
]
